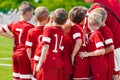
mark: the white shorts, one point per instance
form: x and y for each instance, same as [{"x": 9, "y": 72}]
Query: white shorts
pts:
[{"x": 117, "y": 59}]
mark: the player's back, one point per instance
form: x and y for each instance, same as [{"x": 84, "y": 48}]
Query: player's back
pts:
[
  {"x": 55, "y": 35},
  {"x": 20, "y": 30}
]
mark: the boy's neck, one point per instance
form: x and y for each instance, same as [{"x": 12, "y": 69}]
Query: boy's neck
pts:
[
  {"x": 23, "y": 18},
  {"x": 40, "y": 24},
  {"x": 55, "y": 24}
]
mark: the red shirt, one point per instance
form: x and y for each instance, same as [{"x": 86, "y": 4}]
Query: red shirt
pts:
[
  {"x": 96, "y": 41},
  {"x": 34, "y": 37},
  {"x": 67, "y": 55},
  {"x": 53, "y": 37},
  {"x": 76, "y": 32},
  {"x": 19, "y": 30},
  {"x": 108, "y": 41}
]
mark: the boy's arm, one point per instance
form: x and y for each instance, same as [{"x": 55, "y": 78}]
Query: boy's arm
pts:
[
  {"x": 43, "y": 56},
  {"x": 98, "y": 52},
  {"x": 109, "y": 49},
  {"x": 76, "y": 49},
  {"x": 5, "y": 34},
  {"x": 29, "y": 52}
]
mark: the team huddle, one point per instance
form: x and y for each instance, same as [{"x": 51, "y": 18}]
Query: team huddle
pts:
[{"x": 62, "y": 46}]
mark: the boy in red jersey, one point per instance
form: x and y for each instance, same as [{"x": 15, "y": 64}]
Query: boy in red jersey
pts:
[
  {"x": 51, "y": 57},
  {"x": 21, "y": 64},
  {"x": 95, "y": 48},
  {"x": 81, "y": 66},
  {"x": 108, "y": 42},
  {"x": 35, "y": 35}
]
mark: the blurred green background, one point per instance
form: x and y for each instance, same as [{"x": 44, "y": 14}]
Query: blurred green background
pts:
[{"x": 6, "y": 5}]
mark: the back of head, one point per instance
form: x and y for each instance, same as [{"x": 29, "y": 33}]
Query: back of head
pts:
[
  {"x": 77, "y": 14},
  {"x": 41, "y": 13},
  {"x": 60, "y": 16},
  {"x": 24, "y": 7},
  {"x": 95, "y": 19},
  {"x": 102, "y": 12}
]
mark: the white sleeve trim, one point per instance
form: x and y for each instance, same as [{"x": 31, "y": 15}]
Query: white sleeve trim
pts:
[
  {"x": 46, "y": 39},
  {"x": 28, "y": 43},
  {"x": 76, "y": 35},
  {"x": 6, "y": 28},
  {"x": 16, "y": 74},
  {"x": 99, "y": 44},
  {"x": 37, "y": 58},
  {"x": 108, "y": 41},
  {"x": 26, "y": 76}
]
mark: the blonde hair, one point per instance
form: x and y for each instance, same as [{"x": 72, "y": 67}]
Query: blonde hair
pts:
[
  {"x": 102, "y": 11},
  {"x": 95, "y": 18},
  {"x": 41, "y": 13}
]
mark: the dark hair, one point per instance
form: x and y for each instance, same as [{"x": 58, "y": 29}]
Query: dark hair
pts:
[
  {"x": 60, "y": 16},
  {"x": 24, "y": 7},
  {"x": 77, "y": 14}
]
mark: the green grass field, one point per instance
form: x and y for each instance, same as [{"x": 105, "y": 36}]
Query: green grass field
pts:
[{"x": 5, "y": 58}]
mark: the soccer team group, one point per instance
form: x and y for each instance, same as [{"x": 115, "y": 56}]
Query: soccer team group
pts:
[{"x": 63, "y": 46}]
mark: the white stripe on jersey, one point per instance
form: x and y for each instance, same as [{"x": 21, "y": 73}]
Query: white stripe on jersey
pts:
[
  {"x": 16, "y": 74},
  {"x": 37, "y": 58},
  {"x": 99, "y": 44},
  {"x": 25, "y": 76},
  {"x": 28, "y": 43},
  {"x": 6, "y": 28},
  {"x": 81, "y": 78},
  {"x": 108, "y": 41},
  {"x": 76, "y": 35},
  {"x": 46, "y": 39}
]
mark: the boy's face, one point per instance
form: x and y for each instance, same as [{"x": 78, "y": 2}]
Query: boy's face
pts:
[{"x": 93, "y": 27}]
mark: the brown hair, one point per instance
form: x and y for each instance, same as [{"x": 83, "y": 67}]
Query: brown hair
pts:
[
  {"x": 77, "y": 14},
  {"x": 24, "y": 7},
  {"x": 41, "y": 13},
  {"x": 60, "y": 16},
  {"x": 102, "y": 12}
]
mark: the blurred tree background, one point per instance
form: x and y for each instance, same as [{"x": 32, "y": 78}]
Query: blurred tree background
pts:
[{"x": 6, "y": 5}]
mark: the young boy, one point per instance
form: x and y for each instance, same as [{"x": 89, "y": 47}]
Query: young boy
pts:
[
  {"x": 108, "y": 42},
  {"x": 81, "y": 66},
  {"x": 35, "y": 35},
  {"x": 95, "y": 48},
  {"x": 52, "y": 46},
  {"x": 21, "y": 64}
]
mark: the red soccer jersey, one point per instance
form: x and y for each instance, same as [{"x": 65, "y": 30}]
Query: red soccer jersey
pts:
[
  {"x": 108, "y": 41},
  {"x": 76, "y": 32},
  {"x": 34, "y": 37},
  {"x": 19, "y": 30},
  {"x": 53, "y": 37},
  {"x": 98, "y": 63},
  {"x": 68, "y": 69}
]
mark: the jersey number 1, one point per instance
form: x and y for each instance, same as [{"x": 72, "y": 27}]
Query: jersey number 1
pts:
[{"x": 56, "y": 43}]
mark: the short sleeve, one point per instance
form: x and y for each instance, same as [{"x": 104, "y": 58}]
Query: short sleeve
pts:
[
  {"x": 99, "y": 42},
  {"x": 76, "y": 33},
  {"x": 46, "y": 36},
  {"x": 8, "y": 27},
  {"x": 29, "y": 41}
]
